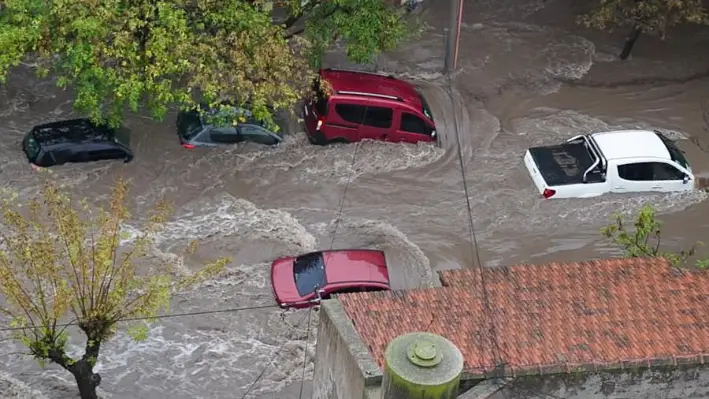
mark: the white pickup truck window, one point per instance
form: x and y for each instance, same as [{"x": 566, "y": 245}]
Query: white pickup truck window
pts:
[{"x": 649, "y": 171}]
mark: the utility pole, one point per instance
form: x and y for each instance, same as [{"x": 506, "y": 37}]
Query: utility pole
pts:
[{"x": 453, "y": 35}]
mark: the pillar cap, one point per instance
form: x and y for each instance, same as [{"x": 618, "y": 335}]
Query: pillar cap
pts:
[
  {"x": 424, "y": 353},
  {"x": 423, "y": 359}
]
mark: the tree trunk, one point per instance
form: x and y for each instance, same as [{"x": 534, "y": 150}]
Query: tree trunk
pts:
[
  {"x": 86, "y": 379},
  {"x": 630, "y": 42}
]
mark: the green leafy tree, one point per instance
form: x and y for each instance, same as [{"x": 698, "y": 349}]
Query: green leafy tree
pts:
[
  {"x": 643, "y": 238},
  {"x": 655, "y": 17},
  {"x": 118, "y": 54},
  {"x": 366, "y": 27},
  {"x": 63, "y": 262},
  {"x": 151, "y": 54}
]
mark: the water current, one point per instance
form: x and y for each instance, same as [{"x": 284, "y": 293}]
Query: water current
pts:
[{"x": 527, "y": 75}]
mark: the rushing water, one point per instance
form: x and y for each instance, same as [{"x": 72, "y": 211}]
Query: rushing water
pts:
[{"x": 528, "y": 75}]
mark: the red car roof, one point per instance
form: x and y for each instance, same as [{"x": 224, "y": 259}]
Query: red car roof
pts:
[
  {"x": 372, "y": 83},
  {"x": 359, "y": 265}
]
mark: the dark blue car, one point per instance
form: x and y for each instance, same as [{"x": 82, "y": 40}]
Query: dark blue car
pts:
[{"x": 194, "y": 129}]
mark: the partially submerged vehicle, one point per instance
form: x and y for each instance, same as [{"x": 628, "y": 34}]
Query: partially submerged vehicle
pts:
[
  {"x": 355, "y": 105},
  {"x": 75, "y": 141},
  {"x": 624, "y": 161},
  {"x": 303, "y": 281},
  {"x": 207, "y": 127}
]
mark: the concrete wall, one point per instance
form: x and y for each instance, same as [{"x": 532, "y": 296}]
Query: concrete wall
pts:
[
  {"x": 649, "y": 384},
  {"x": 344, "y": 368}
]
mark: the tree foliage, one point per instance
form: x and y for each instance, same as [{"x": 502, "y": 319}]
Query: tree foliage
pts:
[
  {"x": 134, "y": 54},
  {"x": 154, "y": 53},
  {"x": 366, "y": 27},
  {"x": 651, "y": 16},
  {"x": 63, "y": 262},
  {"x": 643, "y": 238}
]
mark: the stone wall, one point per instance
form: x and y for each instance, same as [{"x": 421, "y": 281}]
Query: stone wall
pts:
[
  {"x": 344, "y": 368},
  {"x": 685, "y": 383}
]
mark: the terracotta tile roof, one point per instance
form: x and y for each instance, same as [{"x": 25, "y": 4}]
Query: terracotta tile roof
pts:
[{"x": 550, "y": 318}]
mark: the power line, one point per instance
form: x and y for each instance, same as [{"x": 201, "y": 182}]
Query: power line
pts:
[
  {"x": 163, "y": 316},
  {"x": 473, "y": 234},
  {"x": 270, "y": 362},
  {"x": 344, "y": 195},
  {"x": 305, "y": 355}
]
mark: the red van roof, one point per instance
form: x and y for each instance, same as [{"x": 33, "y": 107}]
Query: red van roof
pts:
[{"x": 341, "y": 80}]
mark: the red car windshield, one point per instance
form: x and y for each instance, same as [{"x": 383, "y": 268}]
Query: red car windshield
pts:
[{"x": 309, "y": 273}]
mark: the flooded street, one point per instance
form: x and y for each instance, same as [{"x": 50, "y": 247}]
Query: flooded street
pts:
[{"x": 527, "y": 76}]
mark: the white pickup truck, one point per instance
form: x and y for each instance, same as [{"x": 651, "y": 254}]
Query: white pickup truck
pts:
[{"x": 625, "y": 161}]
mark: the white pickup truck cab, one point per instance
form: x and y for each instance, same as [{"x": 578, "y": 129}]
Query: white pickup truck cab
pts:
[{"x": 624, "y": 161}]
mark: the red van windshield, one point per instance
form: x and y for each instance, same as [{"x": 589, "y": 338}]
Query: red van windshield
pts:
[{"x": 424, "y": 106}]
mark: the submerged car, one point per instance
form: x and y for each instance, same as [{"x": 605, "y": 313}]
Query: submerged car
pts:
[
  {"x": 624, "y": 161},
  {"x": 75, "y": 140},
  {"x": 214, "y": 127},
  {"x": 302, "y": 281},
  {"x": 349, "y": 106}
]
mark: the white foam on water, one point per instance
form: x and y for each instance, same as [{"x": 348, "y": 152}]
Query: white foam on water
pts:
[
  {"x": 334, "y": 161},
  {"x": 234, "y": 218},
  {"x": 297, "y": 159},
  {"x": 514, "y": 55},
  {"x": 570, "y": 59},
  {"x": 12, "y": 388}
]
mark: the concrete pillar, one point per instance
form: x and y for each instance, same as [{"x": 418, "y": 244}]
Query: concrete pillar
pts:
[{"x": 421, "y": 366}]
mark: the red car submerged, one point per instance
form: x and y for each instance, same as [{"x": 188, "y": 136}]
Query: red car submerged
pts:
[
  {"x": 301, "y": 281},
  {"x": 350, "y": 106}
]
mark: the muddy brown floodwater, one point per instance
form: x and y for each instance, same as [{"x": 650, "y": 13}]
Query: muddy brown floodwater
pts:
[{"x": 528, "y": 75}]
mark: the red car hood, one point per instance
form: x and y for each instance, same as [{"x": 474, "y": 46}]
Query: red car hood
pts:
[
  {"x": 283, "y": 281},
  {"x": 356, "y": 265}
]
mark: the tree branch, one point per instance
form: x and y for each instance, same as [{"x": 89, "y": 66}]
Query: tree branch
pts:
[
  {"x": 91, "y": 351},
  {"x": 294, "y": 33},
  {"x": 60, "y": 357},
  {"x": 293, "y": 19},
  {"x": 301, "y": 30}
]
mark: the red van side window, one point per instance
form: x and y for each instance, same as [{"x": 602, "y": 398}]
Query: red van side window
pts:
[{"x": 350, "y": 112}]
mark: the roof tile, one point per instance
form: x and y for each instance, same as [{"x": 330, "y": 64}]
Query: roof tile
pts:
[{"x": 550, "y": 317}]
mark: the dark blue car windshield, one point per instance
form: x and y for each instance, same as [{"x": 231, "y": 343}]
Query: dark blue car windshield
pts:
[{"x": 309, "y": 273}]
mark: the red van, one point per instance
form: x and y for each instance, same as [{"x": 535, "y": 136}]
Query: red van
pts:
[{"x": 352, "y": 105}]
